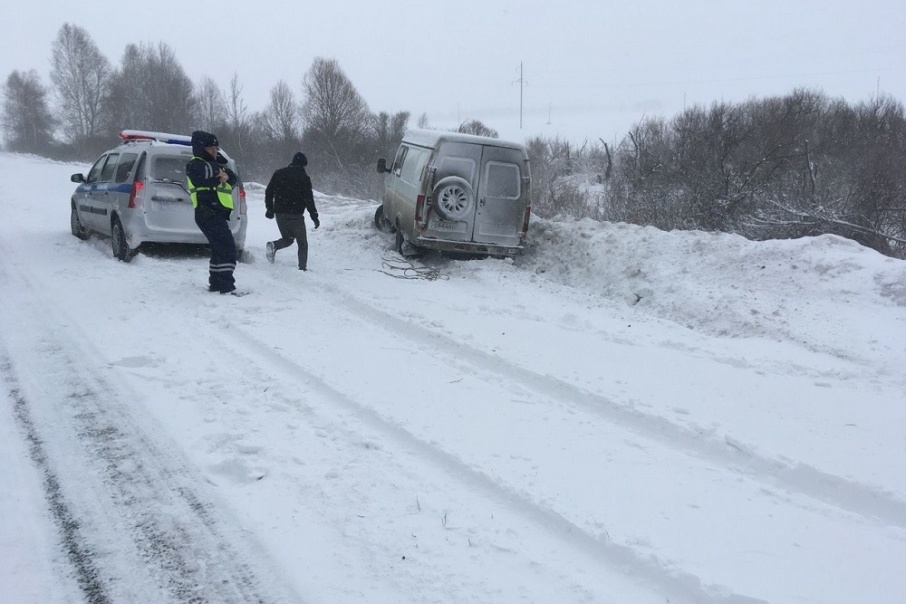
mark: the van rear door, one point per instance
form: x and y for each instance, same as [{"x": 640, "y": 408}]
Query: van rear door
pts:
[
  {"x": 457, "y": 169},
  {"x": 501, "y": 201}
]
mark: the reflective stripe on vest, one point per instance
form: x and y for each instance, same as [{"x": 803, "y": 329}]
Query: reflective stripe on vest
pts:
[{"x": 224, "y": 191}]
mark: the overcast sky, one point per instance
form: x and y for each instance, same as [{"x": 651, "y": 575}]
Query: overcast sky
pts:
[{"x": 590, "y": 68}]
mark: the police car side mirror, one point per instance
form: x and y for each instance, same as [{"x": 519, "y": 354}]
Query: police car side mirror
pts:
[{"x": 77, "y": 178}]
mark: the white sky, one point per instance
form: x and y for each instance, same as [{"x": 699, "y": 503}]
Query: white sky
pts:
[
  {"x": 592, "y": 68},
  {"x": 619, "y": 415}
]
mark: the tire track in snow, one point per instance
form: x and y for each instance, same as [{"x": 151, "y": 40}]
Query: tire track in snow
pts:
[
  {"x": 625, "y": 559},
  {"x": 131, "y": 520},
  {"x": 858, "y": 498},
  {"x": 78, "y": 555}
]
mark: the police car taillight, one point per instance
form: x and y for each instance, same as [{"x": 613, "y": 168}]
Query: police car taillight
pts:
[
  {"x": 136, "y": 189},
  {"x": 243, "y": 208}
]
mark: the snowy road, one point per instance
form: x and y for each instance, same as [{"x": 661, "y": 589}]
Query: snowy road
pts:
[{"x": 471, "y": 432}]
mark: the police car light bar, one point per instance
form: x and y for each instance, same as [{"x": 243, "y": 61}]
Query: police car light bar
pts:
[{"x": 163, "y": 137}]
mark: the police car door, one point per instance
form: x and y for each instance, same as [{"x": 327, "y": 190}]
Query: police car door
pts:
[
  {"x": 85, "y": 197},
  {"x": 101, "y": 199}
]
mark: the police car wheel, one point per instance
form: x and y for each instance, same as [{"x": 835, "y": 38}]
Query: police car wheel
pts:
[
  {"x": 121, "y": 250},
  {"x": 76, "y": 225}
]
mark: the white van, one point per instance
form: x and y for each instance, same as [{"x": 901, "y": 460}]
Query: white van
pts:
[{"x": 457, "y": 193}]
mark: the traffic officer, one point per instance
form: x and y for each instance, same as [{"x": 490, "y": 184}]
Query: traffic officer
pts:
[{"x": 210, "y": 184}]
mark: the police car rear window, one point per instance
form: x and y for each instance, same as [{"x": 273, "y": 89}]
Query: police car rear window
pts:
[{"x": 170, "y": 168}]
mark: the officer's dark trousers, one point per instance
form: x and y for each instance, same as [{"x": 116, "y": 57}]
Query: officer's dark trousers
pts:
[{"x": 216, "y": 228}]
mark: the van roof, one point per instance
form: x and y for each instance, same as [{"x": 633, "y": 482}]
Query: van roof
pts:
[{"x": 431, "y": 138}]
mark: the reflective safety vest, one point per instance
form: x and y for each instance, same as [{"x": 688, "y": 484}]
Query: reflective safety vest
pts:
[{"x": 224, "y": 191}]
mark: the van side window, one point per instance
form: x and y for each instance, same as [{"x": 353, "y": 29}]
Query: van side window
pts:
[
  {"x": 502, "y": 180},
  {"x": 127, "y": 160},
  {"x": 109, "y": 166},
  {"x": 414, "y": 164},
  {"x": 400, "y": 159}
]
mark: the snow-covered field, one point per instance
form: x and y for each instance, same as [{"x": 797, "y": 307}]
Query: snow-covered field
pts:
[{"x": 620, "y": 415}]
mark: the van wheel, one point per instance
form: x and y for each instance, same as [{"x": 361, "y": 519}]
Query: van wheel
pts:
[
  {"x": 75, "y": 224},
  {"x": 453, "y": 197},
  {"x": 121, "y": 250},
  {"x": 380, "y": 221}
]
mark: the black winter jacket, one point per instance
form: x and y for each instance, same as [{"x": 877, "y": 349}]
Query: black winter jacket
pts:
[{"x": 289, "y": 192}]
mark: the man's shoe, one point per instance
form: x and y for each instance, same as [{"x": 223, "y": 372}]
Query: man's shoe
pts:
[
  {"x": 302, "y": 268},
  {"x": 270, "y": 252}
]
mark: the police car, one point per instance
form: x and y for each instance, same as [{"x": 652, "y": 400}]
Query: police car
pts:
[{"x": 136, "y": 193}]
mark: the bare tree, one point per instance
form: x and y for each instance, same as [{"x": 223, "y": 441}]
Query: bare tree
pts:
[
  {"x": 80, "y": 75},
  {"x": 332, "y": 104},
  {"x": 476, "y": 127},
  {"x": 239, "y": 133},
  {"x": 338, "y": 129},
  {"x": 211, "y": 105},
  {"x": 389, "y": 131},
  {"x": 281, "y": 117},
  {"x": 151, "y": 90},
  {"x": 27, "y": 121},
  {"x": 237, "y": 111}
]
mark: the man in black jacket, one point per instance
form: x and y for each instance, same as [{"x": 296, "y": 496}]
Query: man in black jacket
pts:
[
  {"x": 287, "y": 196},
  {"x": 210, "y": 184}
]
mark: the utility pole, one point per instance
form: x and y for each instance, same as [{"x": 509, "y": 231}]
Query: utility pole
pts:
[{"x": 521, "y": 83}]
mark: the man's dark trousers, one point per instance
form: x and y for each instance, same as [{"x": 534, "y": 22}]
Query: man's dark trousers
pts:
[{"x": 292, "y": 228}]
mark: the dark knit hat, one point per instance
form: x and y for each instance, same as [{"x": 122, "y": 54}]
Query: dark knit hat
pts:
[
  {"x": 299, "y": 159},
  {"x": 200, "y": 138}
]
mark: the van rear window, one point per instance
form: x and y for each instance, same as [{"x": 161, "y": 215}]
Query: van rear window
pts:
[
  {"x": 450, "y": 165},
  {"x": 502, "y": 180}
]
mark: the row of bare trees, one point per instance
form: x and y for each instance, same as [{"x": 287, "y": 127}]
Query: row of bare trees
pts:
[
  {"x": 90, "y": 101},
  {"x": 780, "y": 167}
]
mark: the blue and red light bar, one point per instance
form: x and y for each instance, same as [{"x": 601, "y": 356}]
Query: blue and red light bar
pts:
[{"x": 163, "y": 137}]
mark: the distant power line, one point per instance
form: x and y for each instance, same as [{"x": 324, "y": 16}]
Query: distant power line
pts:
[{"x": 587, "y": 83}]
